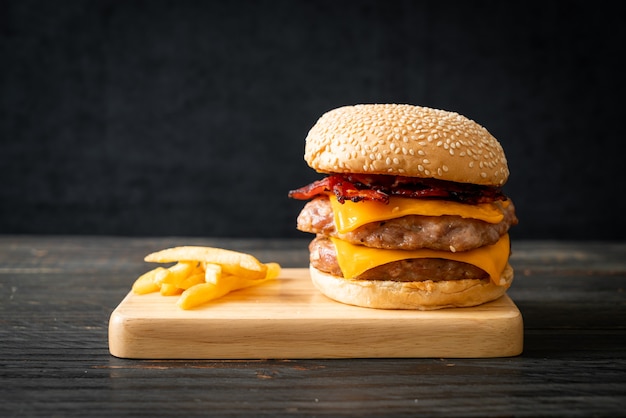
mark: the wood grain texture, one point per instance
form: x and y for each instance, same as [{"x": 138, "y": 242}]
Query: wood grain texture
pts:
[
  {"x": 289, "y": 318},
  {"x": 57, "y": 294}
]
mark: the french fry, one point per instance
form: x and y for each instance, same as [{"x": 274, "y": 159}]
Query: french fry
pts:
[
  {"x": 198, "y": 269},
  {"x": 201, "y": 294},
  {"x": 202, "y": 274},
  {"x": 160, "y": 276},
  {"x": 212, "y": 272},
  {"x": 218, "y": 286},
  {"x": 193, "y": 279},
  {"x": 239, "y": 282},
  {"x": 273, "y": 270},
  {"x": 232, "y": 262},
  {"x": 168, "y": 289},
  {"x": 177, "y": 273},
  {"x": 145, "y": 283}
]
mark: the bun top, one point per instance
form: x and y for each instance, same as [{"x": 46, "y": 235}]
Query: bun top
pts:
[{"x": 405, "y": 140}]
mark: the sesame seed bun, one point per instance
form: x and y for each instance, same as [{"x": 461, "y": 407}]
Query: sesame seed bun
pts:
[
  {"x": 423, "y": 295},
  {"x": 405, "y": 140}
]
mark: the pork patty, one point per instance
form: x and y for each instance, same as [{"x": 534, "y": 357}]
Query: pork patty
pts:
[
  {"x": 447, "y": 233},
  {"x": 323, "y": 257}
]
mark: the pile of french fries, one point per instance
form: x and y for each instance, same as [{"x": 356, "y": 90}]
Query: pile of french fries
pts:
[{"x": 201, "y": 274}]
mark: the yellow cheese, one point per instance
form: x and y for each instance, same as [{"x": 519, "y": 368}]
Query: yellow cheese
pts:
[
  {"x": 351, "y": 215},
  {"x": 356, "y": 259}
]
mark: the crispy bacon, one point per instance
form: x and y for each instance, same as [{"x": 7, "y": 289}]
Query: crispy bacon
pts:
[
  {"x": 357, "y": 187},
  {"x": 341, "y": 188}
]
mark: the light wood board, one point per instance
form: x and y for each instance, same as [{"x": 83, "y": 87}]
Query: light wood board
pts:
[{"x": 289, "y": 318}]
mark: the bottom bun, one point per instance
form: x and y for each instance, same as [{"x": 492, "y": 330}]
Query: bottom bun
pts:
[{"x": 423, "y": 295}]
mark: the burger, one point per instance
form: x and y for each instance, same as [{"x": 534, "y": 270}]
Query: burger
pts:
[{"x": 410, "y": 213}]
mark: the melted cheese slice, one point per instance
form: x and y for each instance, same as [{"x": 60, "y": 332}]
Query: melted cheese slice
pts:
[
  {"x": 356, "y": 259},
  {"x": 351, "y": 215}
]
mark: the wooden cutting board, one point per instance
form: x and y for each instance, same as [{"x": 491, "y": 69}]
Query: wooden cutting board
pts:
[{"x": 289, "y": 318}]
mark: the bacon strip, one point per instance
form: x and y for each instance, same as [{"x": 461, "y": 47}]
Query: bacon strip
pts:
[
  {"x": 341, "y": 188},
  {"x": 357, "y": 187}
]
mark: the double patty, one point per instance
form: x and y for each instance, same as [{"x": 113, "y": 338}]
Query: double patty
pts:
[{"x": 444, "y": 233}]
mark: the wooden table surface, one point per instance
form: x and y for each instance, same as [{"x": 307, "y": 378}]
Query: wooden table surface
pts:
[{"x": 57, "y": 293}]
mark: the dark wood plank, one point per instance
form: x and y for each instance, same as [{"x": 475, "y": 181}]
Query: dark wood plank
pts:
[{"x": 56, "y": 295}]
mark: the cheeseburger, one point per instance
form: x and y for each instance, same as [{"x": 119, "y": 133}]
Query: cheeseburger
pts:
[{"x": 410, "y": 213}]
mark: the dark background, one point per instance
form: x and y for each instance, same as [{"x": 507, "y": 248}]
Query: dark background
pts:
[{"x": 189, "y": 118}]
